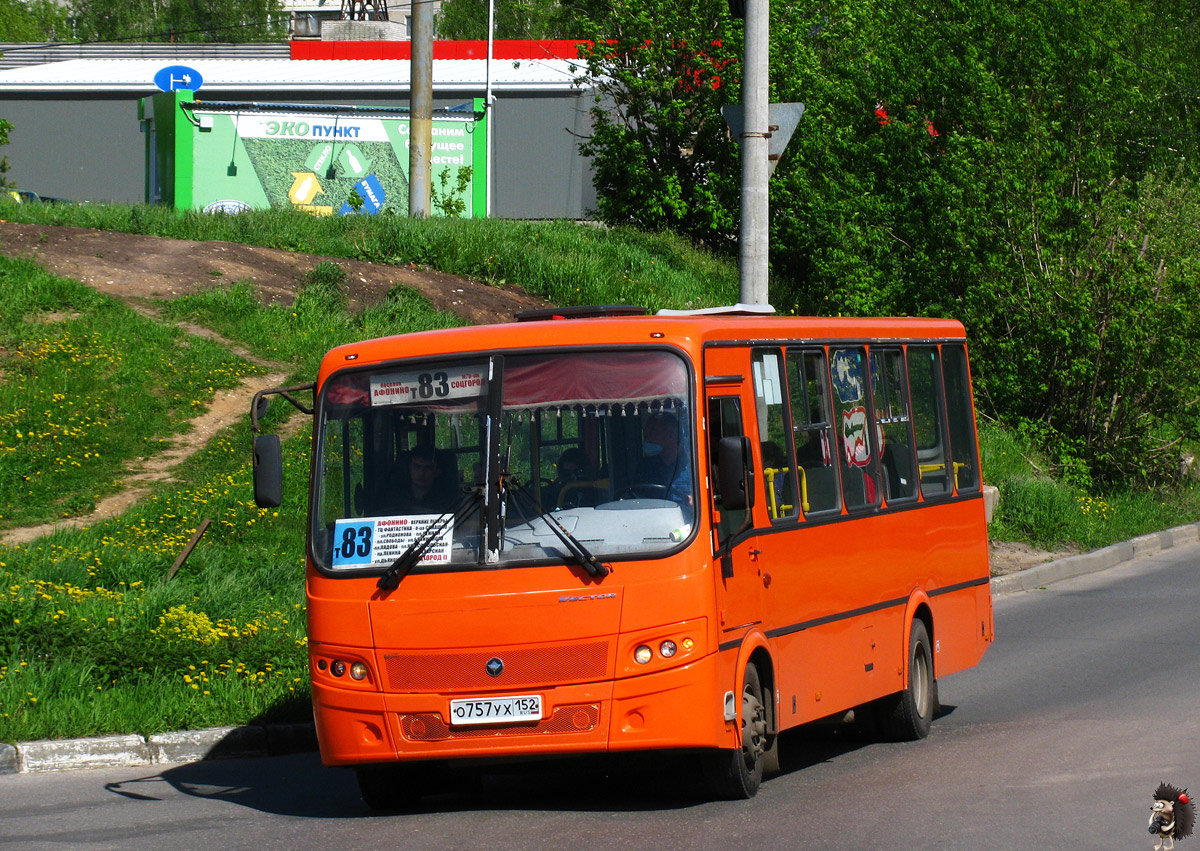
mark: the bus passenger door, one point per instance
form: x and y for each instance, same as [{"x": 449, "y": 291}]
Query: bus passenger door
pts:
[{"x": 740, "y": 588}]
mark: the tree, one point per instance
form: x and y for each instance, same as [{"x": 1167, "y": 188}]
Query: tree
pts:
[
  {"x": 36, "y": 21},
  {"x": 1012, "y": 165},
  {"x": 519, "y": 19},
  {"x": 179, "y": 20},
  {"x": 662, "y": 156}
]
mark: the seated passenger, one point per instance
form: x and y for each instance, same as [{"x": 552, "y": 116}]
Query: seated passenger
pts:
[
  {"x": 425, "y": 487},
  {"x": 572, "y": 467},
  {"x": 664, "y": 466}
]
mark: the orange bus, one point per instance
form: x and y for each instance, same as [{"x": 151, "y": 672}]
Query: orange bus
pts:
[{"x": 599, "y": 531}]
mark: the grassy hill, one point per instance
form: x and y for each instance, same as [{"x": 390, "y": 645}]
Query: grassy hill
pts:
[{"x": 94, "y": 638}]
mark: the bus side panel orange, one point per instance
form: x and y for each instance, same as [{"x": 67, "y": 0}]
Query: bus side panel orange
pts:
[
  {"x": 838, "y": 594},
  {"x": 958, "y": 647},
  {"x": 680, "y": 708}
]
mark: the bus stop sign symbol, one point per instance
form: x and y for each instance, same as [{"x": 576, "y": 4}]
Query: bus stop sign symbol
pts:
[{"x": 175, "y": 77}]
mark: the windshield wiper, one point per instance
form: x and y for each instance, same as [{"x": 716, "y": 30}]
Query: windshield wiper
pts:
[
  {"x": 408, "y": 559},
  {"x": 590, "y": 563}
]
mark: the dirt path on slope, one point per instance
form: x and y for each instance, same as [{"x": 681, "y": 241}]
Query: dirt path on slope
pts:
[
  {"x": 134, "y": 267},
  {"x": 141, "y": 270}
]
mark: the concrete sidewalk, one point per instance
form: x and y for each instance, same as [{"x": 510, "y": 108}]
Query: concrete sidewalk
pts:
[
  {"x": 169, "y": 748},
  {"x": 279, "y": 739},
  {"x": 1101, "y": 559}
]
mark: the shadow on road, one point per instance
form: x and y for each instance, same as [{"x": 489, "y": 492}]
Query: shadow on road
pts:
[{"x": 299, "y": 785}]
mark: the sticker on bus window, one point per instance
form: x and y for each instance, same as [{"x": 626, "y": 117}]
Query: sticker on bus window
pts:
[
  {"x": 379, "y": 541},
  {"x": 428, "y": 385},
  {"x": 846, "y": 369},
  {"x": 854, "y": 437}
]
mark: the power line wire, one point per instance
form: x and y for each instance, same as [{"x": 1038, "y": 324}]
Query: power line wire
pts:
[{"x": 145, "y": 37}]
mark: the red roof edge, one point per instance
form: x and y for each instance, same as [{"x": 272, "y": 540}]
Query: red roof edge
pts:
[{"x": 502, "y": 49}]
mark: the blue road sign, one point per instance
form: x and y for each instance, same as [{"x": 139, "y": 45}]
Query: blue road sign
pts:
[{"x": 178, "y": 77}]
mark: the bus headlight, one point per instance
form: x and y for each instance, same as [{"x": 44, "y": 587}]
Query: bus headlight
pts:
[
  {"x": 667, "y": 649},
  {"x": 643, "y": 654},
  {"x": 358, "y": 671}
]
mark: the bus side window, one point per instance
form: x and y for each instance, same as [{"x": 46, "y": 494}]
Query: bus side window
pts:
[
  {"x": 959, "y": 419},
  {"x": 925, "y": 382},
  {"x": 856, "y": 444},
  {"x": 812, "y": 431},
  {"x": 779, "y": 476},
  {"x": 893, "y": 425},
  {"x": 724, "y": 420}
]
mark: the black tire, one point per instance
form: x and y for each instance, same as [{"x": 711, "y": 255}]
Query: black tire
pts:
[
  {"x": 907, "y": 716},
  {"x": 389, "y": 787},
  {"x": 737, "y": 774}
]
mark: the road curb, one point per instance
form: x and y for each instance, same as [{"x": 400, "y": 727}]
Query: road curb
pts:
[
  {"x": 1101, "y": 559},
  {"x": 157, "y": 749},
  {"x": 280, "y": 739}
]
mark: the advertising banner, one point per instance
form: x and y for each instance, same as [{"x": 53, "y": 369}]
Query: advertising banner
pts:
[
  {"x": 229, "y": 157},
  {"x": 324, "y": 164}
]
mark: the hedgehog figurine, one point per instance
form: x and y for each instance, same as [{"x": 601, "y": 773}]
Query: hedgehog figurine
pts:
[{"x": 1172, "y": 817}]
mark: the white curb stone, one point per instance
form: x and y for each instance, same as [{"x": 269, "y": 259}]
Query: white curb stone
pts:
[{"x": 83, "y": 753}]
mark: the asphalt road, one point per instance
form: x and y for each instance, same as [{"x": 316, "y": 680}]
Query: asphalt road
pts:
[{"x": 1087, "y": 701}]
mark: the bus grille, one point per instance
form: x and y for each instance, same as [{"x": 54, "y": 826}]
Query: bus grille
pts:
[
  {"x": 523, "y": 668},
  {"x": 429, "y": 726}
]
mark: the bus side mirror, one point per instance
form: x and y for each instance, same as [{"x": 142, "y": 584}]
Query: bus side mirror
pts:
[
  {"x": 735, "y": 475},
  {"x": 268, "y": 471}
]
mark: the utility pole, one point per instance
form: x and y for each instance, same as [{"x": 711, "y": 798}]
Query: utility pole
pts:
[
  {"x": 487, "y": 108},
  {"x": 420, "y": 137},
  {"x": 753, "y": 248}
]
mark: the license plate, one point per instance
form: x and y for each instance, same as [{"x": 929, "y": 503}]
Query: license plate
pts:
[{"x": 496, "y": 710}]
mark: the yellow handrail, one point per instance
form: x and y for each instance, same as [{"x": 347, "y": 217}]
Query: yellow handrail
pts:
[
  {"x": 776, "y": 509},
  {"x": 929, "y": 468},
  {"x": 770, "y": 473}
]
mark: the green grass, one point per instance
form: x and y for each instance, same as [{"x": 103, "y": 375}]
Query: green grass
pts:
[
  {"x": 1039, "y": 510},
  {"x": 87, "y": 386},
  {"x": 317, "y": 321},
  {"x": 93, "y": 638}
]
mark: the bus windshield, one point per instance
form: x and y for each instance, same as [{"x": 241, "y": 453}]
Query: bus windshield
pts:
[{"x": 497, "y": 458}]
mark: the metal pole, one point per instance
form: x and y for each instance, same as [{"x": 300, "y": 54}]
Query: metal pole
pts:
[
  {"x": 487, "y": 106},
  {"x": 420, "y": 110},
  {"x": 753, "y": 249}
]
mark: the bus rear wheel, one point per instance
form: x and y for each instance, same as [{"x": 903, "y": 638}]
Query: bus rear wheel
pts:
[
  {"x": 737, "y": 774},
  {"x": 907, "y": 716}
]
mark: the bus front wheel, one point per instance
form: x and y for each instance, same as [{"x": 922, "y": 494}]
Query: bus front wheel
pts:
[
  {"x": 907, "y": 716},
  {"x": 737, "y": 774}
]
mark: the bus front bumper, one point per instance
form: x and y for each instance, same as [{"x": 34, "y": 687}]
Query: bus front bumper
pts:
[{"x": 677, "y": 708}]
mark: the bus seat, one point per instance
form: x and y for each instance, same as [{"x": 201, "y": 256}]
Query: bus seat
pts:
[
  {"x": 820, "y": 484},
  {"x": 449, "y": 480},
  {"x": 583, "y": 494},
  {"x": 897, "y": 471},
  {"x": 853, "y": 480}
]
